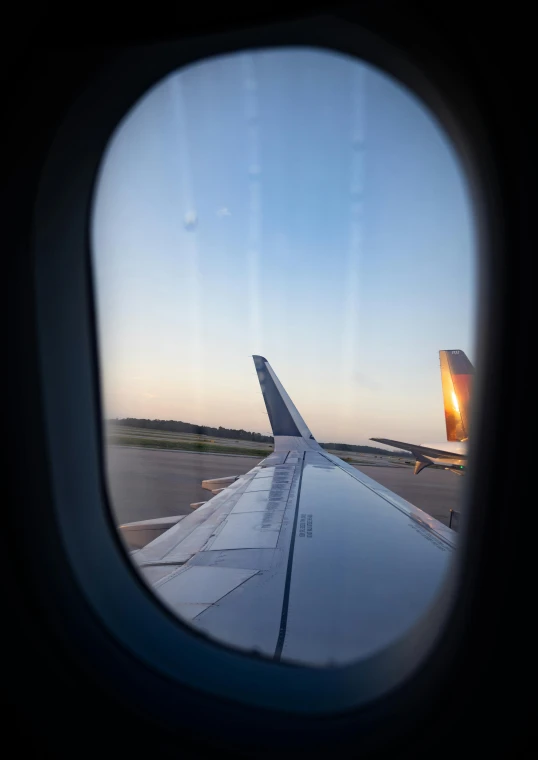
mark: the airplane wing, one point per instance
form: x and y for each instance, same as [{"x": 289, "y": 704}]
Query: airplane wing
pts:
[
  {"x": 426, "y": 450},
  {"x": 456, "y": 379},
  {"x": 303, "y": 558}
]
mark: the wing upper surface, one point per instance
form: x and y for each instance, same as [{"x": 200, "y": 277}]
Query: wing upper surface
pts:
[
  {"x": 306, "y": 559},
  {"x": 303, "y": 558}
]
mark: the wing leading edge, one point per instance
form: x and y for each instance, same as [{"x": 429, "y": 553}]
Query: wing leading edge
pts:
[{"x": 303, "y": 558}]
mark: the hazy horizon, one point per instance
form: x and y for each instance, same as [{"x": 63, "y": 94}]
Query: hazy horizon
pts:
[
  {"x": 290, "y": 203},
  {"x": 372, "y": 444}
]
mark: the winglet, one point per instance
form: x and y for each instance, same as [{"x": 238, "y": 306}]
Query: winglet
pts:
[{"x": 283, "y": 415}]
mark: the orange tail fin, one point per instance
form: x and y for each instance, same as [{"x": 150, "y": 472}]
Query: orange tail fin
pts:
[{"x": 456, "y": 377}]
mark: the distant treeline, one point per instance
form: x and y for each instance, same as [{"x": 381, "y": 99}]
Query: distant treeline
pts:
[{"x": 176, "y": 426}]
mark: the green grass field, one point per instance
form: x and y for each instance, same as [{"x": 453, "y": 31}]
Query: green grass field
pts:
[{"x": 121, "y": 435}]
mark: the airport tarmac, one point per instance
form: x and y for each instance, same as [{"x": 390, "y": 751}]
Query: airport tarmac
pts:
[{"x": 151, "y": 483}]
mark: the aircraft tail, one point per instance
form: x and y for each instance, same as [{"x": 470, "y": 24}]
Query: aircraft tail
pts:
[
  {"x": 283, "y": 415},
  {"x": 456, "y": 377}
]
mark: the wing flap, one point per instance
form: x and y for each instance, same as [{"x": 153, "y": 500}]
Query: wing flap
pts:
[{"x": 161, "y": 547}]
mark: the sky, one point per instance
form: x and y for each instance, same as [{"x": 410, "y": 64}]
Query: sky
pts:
[{"x": 292, "y": 203}]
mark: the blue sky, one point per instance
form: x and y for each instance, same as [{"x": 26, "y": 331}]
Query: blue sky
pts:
[{"x": 293, "y": 203}]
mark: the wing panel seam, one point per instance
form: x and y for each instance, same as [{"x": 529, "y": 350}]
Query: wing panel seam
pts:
[{"x": 286, "y": 598}]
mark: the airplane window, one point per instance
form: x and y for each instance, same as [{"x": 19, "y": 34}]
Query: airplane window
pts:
[{"x": 284, "y": 268}]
